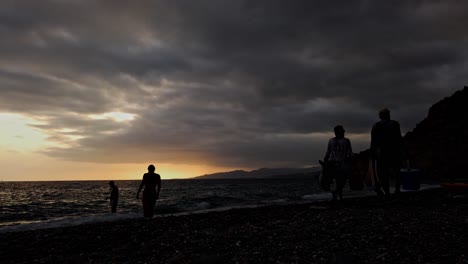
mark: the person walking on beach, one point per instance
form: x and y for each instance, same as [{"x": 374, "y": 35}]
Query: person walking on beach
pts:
[
  {"x": 114, "y": 196},
  {"x": 337, "y": 162},
  {"x": 386, "y": 150},
  {"x": 152, "y": 184}
]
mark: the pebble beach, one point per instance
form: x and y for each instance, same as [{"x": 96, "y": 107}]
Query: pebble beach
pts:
[{"x": 429, "y": 226}]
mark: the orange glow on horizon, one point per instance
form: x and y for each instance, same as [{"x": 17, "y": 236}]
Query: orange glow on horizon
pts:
[
  {"x": 35, "y": 167},
  {"x": 20, "y": 161}
]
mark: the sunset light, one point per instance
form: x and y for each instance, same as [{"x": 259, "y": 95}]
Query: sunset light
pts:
[
  {"x": 116, "y": 116},
  {"x": 17, "y": 134},
  {"x": 233, "y": 131},
  {"x": 218, "y": 85}
]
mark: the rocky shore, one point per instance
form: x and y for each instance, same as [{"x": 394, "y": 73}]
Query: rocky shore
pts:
[{"x": 421, "y": 227}]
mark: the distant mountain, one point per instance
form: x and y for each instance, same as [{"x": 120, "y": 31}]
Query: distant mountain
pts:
[{"x": 264, "y": 173}]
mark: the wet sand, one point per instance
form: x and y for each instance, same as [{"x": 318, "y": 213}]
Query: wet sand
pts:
[{"x": 421, "y": 227}]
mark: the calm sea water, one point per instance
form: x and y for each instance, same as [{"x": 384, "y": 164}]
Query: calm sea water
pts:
[{"x": 45, "y": 203}]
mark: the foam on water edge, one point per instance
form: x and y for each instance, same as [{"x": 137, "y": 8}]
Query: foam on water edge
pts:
[
  {"x": 200, "y": 208},
  {"x": 66, "y": 221}
]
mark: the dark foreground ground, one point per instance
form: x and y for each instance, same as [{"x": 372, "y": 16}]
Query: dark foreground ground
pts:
[{"x": 423, "y": 227}]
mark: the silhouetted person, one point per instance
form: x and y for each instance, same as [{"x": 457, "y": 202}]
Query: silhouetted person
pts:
[
  {"x": 150, "y": 181},
  {"x": 386, "y": 149},
  {"x": 114, "y": 196},
  {"x": 338, "y": 161}
]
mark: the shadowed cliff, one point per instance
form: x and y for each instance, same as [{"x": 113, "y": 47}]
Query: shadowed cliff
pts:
[{"x": 437, "y": 145}]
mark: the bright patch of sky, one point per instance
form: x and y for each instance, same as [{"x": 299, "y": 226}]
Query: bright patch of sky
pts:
[
  {"x": 17, "y": 134},
  {"x": 116, "y": 116}
]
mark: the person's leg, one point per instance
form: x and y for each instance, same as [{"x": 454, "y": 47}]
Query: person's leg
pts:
[
  {"x": 375, "y": 178},
  {"x": 325, "y": 182},
  {"x": 326, "y": 177},
  {"x": 378, "y": 188},
  {"x": 341, "y": 181},
  {"x": 386, "y": 183},
  {"x": 384, "y": 176},
  {"x": 151, "y": 209},
  {"x": 334, "y": 182},
  {"x": 145, "y": 202}
]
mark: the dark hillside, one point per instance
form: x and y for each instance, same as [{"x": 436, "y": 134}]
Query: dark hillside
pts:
[{"x": 438, "y": 144}]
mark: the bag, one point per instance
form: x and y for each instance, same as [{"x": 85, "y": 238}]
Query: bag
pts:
[
  {"x": 355, "y": 177},
  {"x": 372, "y": 177},
  {"x": 409, "y": 178},
  {"x": 326, "y": 178}
]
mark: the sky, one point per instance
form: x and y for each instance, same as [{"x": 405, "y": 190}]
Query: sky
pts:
[{"x": 100, "y": 89}]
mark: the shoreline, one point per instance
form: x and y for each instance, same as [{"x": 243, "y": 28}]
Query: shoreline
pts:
[
  {"x": 68, "y": 221},
  {"x": 425, "y": 226}
]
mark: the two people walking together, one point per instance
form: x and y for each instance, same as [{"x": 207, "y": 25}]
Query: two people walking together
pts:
[{"x": 386, "y": 149}]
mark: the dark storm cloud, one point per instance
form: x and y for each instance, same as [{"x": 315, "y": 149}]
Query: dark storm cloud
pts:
[{"x": 233, "y": 83}]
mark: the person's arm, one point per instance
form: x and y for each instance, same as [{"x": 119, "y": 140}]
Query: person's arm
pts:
[
  {"x": 400, "y": 142},
  {"x": 373, "y": 139},
  {"x": 327, "y": 155},
  {"x": 159, "y": 188},
  {"x": 141, "y": 187},
  {"x": 349, "y": 149},
  {"x": 403, "y": 146},
  {"x": 398, "y": 132}
]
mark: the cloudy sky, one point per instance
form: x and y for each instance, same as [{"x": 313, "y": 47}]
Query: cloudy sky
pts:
[{"x": 100, "y": 89}]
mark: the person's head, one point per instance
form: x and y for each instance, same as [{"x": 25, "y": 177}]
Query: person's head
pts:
[
  {"x": 384, "y": 114},
  {"x": 112, "y": 184},
  {"x": 151, "y": 168},
  {"x": 339, "y": 131}
]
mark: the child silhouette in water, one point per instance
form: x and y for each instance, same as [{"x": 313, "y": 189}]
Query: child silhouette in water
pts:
[{"x": 114, "y": 196}]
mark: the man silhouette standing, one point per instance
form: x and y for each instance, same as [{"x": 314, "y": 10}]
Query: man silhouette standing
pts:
[
  {"x": 152, "y": 184},
  {"x": 386, "y": 148}
]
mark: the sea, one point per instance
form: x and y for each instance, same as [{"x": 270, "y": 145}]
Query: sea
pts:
[{"x": 37, "y": 205}]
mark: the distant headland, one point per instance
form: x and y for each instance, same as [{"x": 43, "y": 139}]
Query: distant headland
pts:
[{"x": 264, "y": 173}]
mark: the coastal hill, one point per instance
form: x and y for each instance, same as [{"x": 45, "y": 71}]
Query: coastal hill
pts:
[
  {"x": 265, "y": 173},
  {"x": 438, "y": 144}
]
